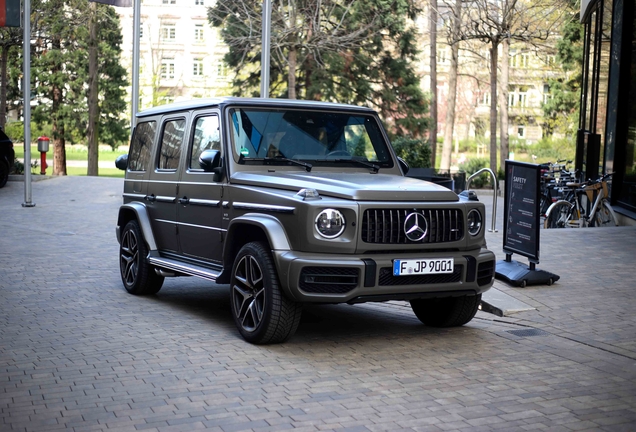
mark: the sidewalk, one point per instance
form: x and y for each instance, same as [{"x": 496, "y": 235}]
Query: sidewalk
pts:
[{"x": 79, "y": 353}]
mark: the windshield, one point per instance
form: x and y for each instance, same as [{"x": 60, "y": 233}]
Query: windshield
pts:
[{"x": 319, "y": 137}]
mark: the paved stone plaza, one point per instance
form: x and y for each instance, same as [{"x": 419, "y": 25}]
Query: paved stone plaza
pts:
[{"x": 79, "y": 353}]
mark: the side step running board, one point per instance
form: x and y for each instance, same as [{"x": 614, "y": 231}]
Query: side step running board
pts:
[{"x": 189, "y": 269}]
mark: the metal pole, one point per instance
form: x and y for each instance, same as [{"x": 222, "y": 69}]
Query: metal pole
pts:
[
  {"x": 267, "y": 23},
  {"x": 493, "y": 177},
  {"x": 26, "y": 91},
  {"x": 135, "y": 56}
]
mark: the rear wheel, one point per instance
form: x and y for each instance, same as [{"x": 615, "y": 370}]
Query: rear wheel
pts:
[
  {"x": 604, "y": 216},
  {"x": 261, "y": 312},
  {"x": 4, "y": 173},
  {"x": 558, "y": 215},
  {"x": 138, "y": 276},
  {"x": 446, "y": 312}
]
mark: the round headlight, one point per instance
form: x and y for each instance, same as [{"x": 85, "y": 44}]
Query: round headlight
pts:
[
  {"x": 330, "y": 223},
  {"x": 474, "y": 222}
]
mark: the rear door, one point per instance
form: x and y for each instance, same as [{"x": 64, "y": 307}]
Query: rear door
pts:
[
  {"x": 199, "y": 203},
  {"x": 164, "y": 183}
]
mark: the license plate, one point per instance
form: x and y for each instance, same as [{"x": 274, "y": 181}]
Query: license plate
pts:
[{"x": 422, "y": 266}]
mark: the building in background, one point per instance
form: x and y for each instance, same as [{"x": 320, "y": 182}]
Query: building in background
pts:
[
  {"x": 181, "y": 55},
  {"x": 606, "y": 140}
]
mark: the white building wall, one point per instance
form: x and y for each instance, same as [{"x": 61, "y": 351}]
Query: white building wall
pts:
[{"x": 175, "y": 33}]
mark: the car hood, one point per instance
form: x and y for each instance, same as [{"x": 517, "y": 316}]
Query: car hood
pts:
[{"x": 355, "y": 186}]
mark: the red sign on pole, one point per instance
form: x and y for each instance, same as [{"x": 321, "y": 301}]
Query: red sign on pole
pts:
[{"x": 9, "y": 13}]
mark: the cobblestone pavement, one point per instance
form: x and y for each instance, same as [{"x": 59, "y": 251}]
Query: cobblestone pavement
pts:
[{"x": 79, "y": 353}]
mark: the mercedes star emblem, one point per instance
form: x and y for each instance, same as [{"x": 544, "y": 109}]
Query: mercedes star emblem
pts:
[{"x": 415, "y": 226}]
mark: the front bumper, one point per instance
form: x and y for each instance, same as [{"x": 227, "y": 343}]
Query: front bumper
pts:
[{"x": 328, "y": 278}]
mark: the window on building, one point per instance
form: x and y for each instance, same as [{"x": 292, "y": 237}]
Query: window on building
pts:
[
  {"x": 197, "y": 67},
  {"x": 198, "y": 32},
  {"x": 524, "y": 61},
  {"x": 167, "y": 68},
  {"x": 168, "y": 32},
  {"x": 546, "y": 93},
  {"x": 485, "y": 98},
  {"x": 169, "y": 1},
  {"x": 550, "y": 60},
  {"x": 221, "y": 70},
  {"x": 141, "y": 29},
  {"x": 199, "y": 2},
  {"x": 442, "y": 55},
  {"x": 521, "y": 131}
]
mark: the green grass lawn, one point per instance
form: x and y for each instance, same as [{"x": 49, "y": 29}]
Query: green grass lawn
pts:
[{"x": 71, "y": 153}]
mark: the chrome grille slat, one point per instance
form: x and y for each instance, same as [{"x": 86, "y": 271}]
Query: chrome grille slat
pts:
[{"x": 386, "y": 226}]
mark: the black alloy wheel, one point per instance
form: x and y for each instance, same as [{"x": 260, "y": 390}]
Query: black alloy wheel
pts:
[
  {"x": 138, "y": 276},
  {"x": 262, "y": 314}
]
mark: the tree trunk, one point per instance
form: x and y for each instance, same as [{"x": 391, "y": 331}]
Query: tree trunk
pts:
[
  {"x": 57, "y": 130},
  {"x": 433, "y": 62},
  {"x": 449, "y": 123},
  {"x": 93, "y": 143},
  {"x": 493, "y": 106},
  {"x": 291, "y": 79},
  {"x": 3, "y": 85},
  {"x": 503, "y": 103}
]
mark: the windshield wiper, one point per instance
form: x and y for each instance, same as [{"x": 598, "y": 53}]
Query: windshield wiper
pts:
[
  {"x": 269, "y": 160},
  {"x": 373, "y": 166}
]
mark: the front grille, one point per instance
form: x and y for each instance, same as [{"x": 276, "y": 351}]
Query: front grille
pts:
[
  {"x": 387, "y": 278},
  {"x": 386, "y": 226},
  {"x": 328, "y": 280},
  {"x": 485, "y": 272}
]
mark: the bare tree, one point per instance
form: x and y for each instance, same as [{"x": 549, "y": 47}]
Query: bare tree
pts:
[
  {"x": 496, "y": 21},
  {"x": 300, "y": 30},
  {"x": 453, "y": 38},
  {"x": 433, "y": 62}
]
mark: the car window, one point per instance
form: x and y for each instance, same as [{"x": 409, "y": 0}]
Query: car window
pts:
[
  {"x": 171, "y": 139},
  {"x": 141, "y": 146},
  {"x": 206, "y": 136},
  {"x": 308, "y": 135}
]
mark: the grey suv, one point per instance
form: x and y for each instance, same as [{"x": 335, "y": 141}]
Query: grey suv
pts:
[{"x": 293, "y": 202}]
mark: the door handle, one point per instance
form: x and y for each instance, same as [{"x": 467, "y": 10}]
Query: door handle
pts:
[
  {"x": 184, "y": 200},
  {"x": 150, "y": 198}
]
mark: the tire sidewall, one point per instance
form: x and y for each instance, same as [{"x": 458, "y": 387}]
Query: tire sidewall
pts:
[
  {"x": 270, "y": 284},
  {"x": 136, "y": 286}
]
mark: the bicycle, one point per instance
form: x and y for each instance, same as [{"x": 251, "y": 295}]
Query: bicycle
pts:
[
  {"x": 570, "y": 213},
  {"x": 554, "y": 176}
]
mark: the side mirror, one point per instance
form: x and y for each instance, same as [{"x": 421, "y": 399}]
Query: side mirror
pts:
[
  {"x": 404, "y": 165},
  {"x": 211, "y": 161},
  {"x": 122, "y": 162}
]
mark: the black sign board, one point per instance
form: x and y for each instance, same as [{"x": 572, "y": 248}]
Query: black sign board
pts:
[{"x": 521, "y": 209}]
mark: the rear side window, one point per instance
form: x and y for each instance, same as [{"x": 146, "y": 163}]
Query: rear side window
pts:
[
  {"x": 171, "y": 139},
  {"x": 141, "y": 146}
]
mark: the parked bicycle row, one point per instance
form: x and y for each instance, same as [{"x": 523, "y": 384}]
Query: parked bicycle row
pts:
[{"x": 567, "y": 202}]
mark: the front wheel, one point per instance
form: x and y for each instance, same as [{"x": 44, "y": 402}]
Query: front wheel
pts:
[
  {"x": 446, "y": 312},
  {"x": 604, "y": 216},
  {"x": 138, "y": 276},
  {"x": 262, "y": 314},
  {"x": 559, "y": 215}
]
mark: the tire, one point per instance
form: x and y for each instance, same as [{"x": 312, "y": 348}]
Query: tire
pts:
[
  {"x": 558, "y": 215},
  {"x": 262, "y": 314},
  {"x": 138, "y": 276},
  {"x": 604, "y": 216},
  {"x": 446, "y": 312},
  {"x": 4, "y": 173}
]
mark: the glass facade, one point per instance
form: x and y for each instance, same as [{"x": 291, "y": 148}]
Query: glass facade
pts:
[{"x": 606, "y": 141}]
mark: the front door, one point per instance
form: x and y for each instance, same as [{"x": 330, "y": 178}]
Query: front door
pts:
[{"x": 199, "y": 201}]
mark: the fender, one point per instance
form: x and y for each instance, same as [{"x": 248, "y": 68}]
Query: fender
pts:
[
  {"x": 141, "y": 214},
  {"x": 271, "y": 226}
]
